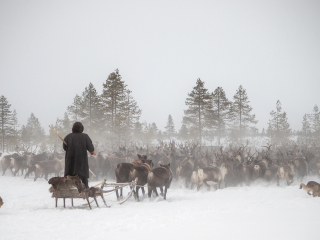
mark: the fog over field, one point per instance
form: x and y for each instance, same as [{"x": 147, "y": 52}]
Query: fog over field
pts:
[
  {"x": 51, "y": 51},
  {"x": 220, "y": 99}
]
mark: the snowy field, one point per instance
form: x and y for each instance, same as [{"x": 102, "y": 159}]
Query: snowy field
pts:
[{"x": 255, "y": 212}]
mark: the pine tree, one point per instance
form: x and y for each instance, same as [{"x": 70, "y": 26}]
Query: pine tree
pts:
[
  {"x": 6, "y": 120},
  {"x": 14, "y": 132},
  {"x": 220, "y": 111},
  {"x": 150, "y": 132},
  {"x": 240, "y": 112},
  {"x": 121, "y": 111},
  {"x": 75, "y": 109},
  {"x": 137, "y": 130},
  {"x": 183, "y": 133},
  {"x": 64, "y": 125},
  {"x": 153, "y": 131},
  {"x": 198, "y": 102},
  {"x": 131, "y": 114},
  {"x": 306, "y": 126},
  {"x": 113, "y": 98},
  {"x": 91, "y": 110},
  {"x": 279, "y": 128},
  {"x": 160, "y": 135},
  {"x": 316, "y": 122},
  {"x": 32, "y": 134},
  {"x": 53, "y": 141},
  {"x": 170, "y": 131}
]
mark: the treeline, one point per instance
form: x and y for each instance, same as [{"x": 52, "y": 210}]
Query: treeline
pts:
[
  {"x": 212, "y": 116},
  {"x": 113, "y": 117}
]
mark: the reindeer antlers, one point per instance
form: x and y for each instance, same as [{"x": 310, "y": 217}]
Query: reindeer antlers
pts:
[{"x": 268, "y": 147}]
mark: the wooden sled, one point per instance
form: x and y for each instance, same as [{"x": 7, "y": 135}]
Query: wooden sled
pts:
[{"x": 72, "y": 187}]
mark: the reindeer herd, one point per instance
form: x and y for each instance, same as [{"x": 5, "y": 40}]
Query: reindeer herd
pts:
[{"x": 190, "y": 164}]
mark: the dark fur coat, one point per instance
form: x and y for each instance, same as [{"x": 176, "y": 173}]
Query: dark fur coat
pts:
[{"x": 76, "y": 159}]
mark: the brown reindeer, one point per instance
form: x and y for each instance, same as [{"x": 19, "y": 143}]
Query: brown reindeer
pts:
[
  {"x": 1, "y": 202},
  {"x": 271, "y": 173},
  {"x": 33, "y": 160},
  {"x": 47, "y": 167},
  {"x": 159, "y": 177},
  {"x": 19, "y": 163},
  {"x": 214, "y": 174},
  {"x": 123, "y": 170},
  {"x": 243, "y": 173},
  {"x": 301, "y": 167},
  {"x": 194, "y": 178},
  {"x": 141, "y": 173},
  {"x": 313, "y": 187},
  {"x": 286, "y": 172},
  {"x": 184, "y": 171},
  {"x": 6, "y": 162},
  {"x": 260, "y": 167}
]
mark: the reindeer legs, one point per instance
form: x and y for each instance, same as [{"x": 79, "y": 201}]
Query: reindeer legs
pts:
[
  {"x": 155, "y": 191},
  {"x": 149, "y": 192},
  {"x": 137, "y": 193},
  {"x": 165, "y": 193},
  {"x": 117, "y": 193},
  {"x": 208, "y": 186},
  {"x": 161, "y": 189}
]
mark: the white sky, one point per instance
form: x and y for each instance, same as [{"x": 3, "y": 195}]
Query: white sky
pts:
[{"x": 52, "y": 50}]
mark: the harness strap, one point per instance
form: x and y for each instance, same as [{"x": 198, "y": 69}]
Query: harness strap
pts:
[
  {"x": 146, "y": 166},
  {"x": 135, "y": 164},
  {"x": 165, "y": 169}
]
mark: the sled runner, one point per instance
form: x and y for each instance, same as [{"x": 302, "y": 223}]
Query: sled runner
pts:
[{"x": 72, "y": 187}]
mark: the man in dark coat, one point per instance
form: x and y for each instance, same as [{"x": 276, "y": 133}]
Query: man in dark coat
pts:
[{"x": 76, "y": 159}]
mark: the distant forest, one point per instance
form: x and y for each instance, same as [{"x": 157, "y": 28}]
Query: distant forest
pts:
[{"x": 113, "y": 118}]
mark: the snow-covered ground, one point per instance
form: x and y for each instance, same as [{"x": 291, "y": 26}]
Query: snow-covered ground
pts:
[{"x": 255, "y": 212}]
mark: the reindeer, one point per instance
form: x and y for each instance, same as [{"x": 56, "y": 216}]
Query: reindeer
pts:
[
  {"x": 214, "y": 174},
  {"x": 170, "y": 154},
  {"x": 313, "y": 187},
  {"x": 99, "y": 165},
  {"x": 6, "y": 162},
  {"x": 1, "y": 202},
  {"x": 243, "y": 173},
  {"x": 33, "y": 160},
  {"x": 122, "y": 172},
  {"x": 48, "y": 166},
  {"x": 194, "y": 178},
  {"x": 19, "y": 163},
  {"x": 184, "y": 171},
  {"x": 313, "y": 166},
  {"x": 141, "y": 173},
  {"x": 260, "y": 167},
  {"x": 301, "y": 167},
  {"x": 271, "y": 173},
  {"x": 115, "y": 159},
  {"x": 286, "y": 172},
  {"x": 244, "y": 169},
  {"x": 105, "y": 166},
  {"x": 159, "y": 177}
]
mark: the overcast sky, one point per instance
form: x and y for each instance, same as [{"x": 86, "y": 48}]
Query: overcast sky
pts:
[{"x": 51, "y": 50}]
